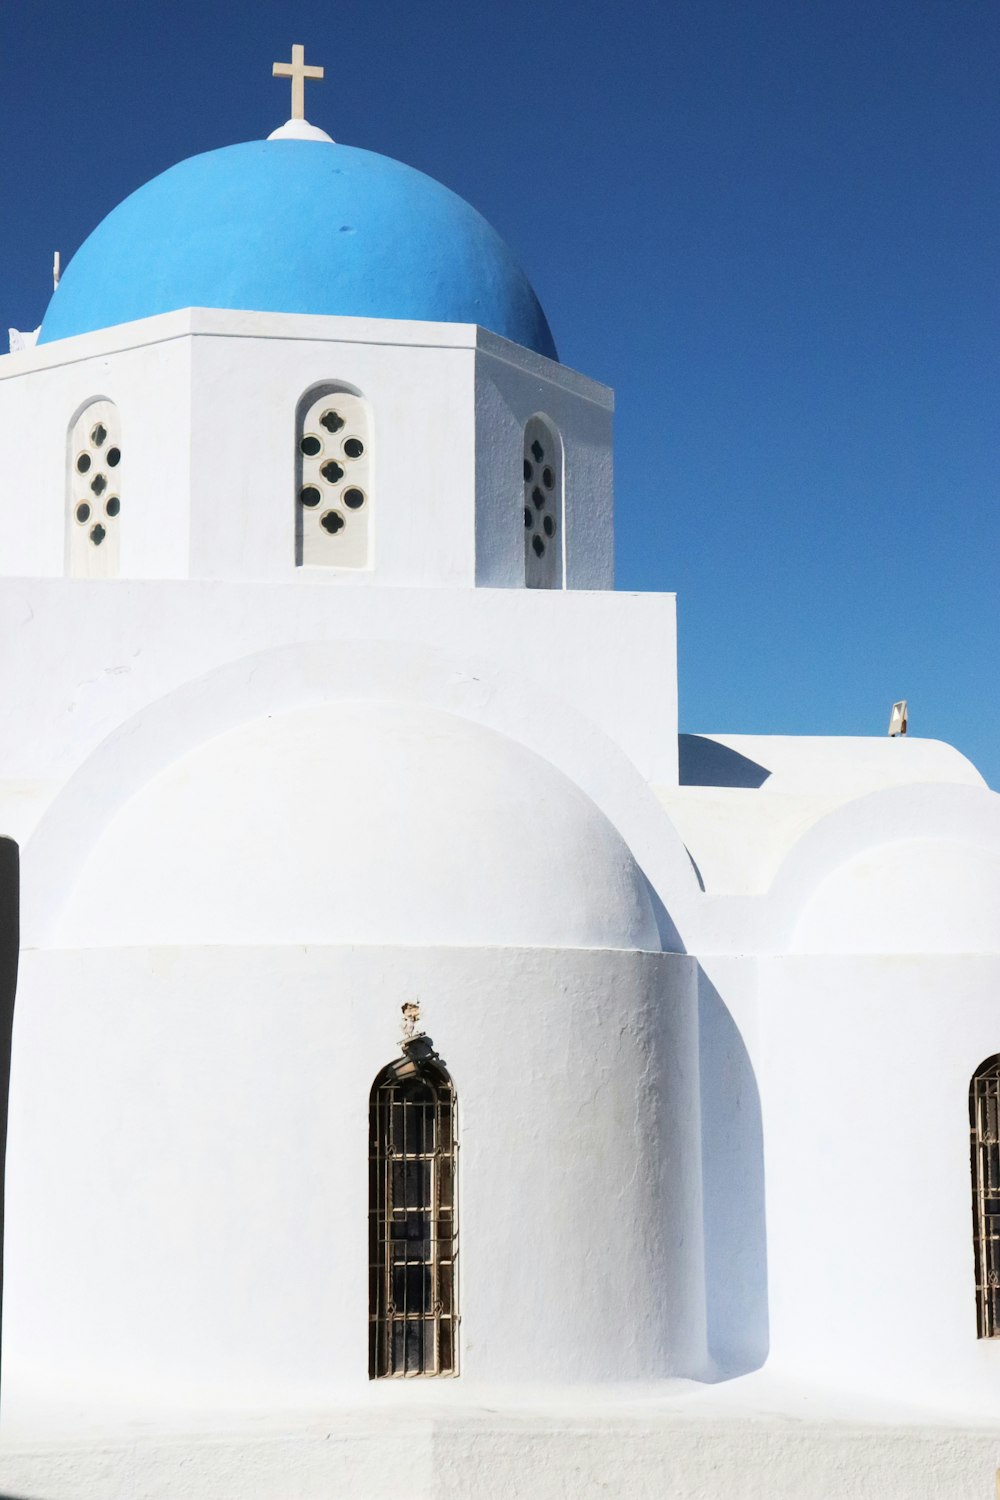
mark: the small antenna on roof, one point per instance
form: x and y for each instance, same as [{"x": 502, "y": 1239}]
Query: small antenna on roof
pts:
[
  {"x": 897, "y": 719},
  {"x": 56, "y": 270}
]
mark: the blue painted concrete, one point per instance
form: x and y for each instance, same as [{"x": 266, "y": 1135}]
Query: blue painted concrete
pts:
[{"x": 300, "y": 227}]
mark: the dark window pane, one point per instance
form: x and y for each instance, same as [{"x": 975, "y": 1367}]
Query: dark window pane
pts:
[
  {"x": 398, "y": 1353},
  {"x": 411, "y": 1287},
  {"x": 415, "y": 1347},
  {"x": 411, "y": 1184},
  {"x": 311, "y": 446},
  {"x": 114, "y": 457}
]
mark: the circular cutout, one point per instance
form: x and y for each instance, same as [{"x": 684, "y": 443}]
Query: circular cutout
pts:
[
  {"x": 548, "y": 478},
  {"x": 549, "y": 526},
  {"x": 537, "y": 544},
  {"x": 99, "y": 484},
  {"x": 332, "y": 421},
  {"x": 114, "y": 457},
  {"x": 112, "y": 505},
  {"x": 83, "y": 463},
  {"x": 331, "y": 471},
  {"x": 538, "y": 498},
  {"x": 83, "y": 512},
  {"x": 529, "y": 519},
  {"x": 353, "y": 447},
  {"x": 354, "y": 498},
  {"x": 97, "y": 534},
  {"x": 332, "y": 522},
  {"x": 528, "y": 470},
  {"x": 310, "y": 445},
  {"x": 310, "y": 495},
  {"x": 98, "y": 435}
]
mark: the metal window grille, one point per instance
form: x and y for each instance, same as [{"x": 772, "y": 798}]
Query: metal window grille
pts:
[
  {"x": 413, "y": 1241},
  {"x": 984, "y": 1117}
]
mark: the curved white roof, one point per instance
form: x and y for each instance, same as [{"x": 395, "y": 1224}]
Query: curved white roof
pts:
[{"x": 360, "y": 823}]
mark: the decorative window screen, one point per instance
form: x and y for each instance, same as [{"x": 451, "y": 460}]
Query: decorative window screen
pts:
[
  {"x": 543, "y": 506},
  {"x": 413, "y": 1230},
  {"x": 94, "y": 490},
  {"x": 333, "y": 500},
  {"x": 984, "y": 1117}
]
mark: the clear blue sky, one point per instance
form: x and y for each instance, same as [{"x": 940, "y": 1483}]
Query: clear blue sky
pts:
[{"x": 771, "y": 225}]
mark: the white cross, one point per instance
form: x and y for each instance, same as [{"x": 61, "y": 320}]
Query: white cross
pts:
[{"x": 297, "y": 71}]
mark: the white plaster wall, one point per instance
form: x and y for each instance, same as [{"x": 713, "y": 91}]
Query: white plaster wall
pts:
[
  {"x": 187, "y": 1167},
  {"x": 245, "y": 393},
  {"x": 512, "y": 386},
  {"x": 641, "y": 1451},
  {"x": 41, "y": 393},
  {"x": 865, "y": 1080},
  {"x": 208, "y": 401},
  {"x": 733, "y": 1164}
]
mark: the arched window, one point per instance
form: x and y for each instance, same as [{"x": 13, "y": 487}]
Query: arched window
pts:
[
  {"x": 333, "y": 499},
  {"x": 984, "y": 1119},
  {"x": 94, "y": 492},
  {"x": 413, "y": 1242},
  {"x": 543, "y": 506}
]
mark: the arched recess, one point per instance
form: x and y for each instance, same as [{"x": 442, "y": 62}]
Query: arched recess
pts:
[
  {"x": 984, "y": 1126},
  {"x": 945, "y": 814},
  {"x": 285, "y": 677},
  {"x": 412, "y": 1217},
  {"x": 94, "y": 491},
  {"x": 543, "y": 505},
  {"x": 333, "y": 469}
]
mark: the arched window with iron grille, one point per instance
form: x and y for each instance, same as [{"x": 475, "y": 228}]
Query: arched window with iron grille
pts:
[
  {"x": 412, "y": 1217},
  {"x": 984, "y": 1119}
]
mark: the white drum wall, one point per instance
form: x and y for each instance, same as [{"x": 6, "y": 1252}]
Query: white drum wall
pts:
[{"x": 187, "y": 1166}]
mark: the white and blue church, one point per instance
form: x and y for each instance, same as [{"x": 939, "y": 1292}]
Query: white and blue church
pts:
[{"x": 429, "y": 1073}]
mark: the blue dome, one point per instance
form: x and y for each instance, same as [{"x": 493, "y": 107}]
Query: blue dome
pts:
[{"x": 297, "y": 227}]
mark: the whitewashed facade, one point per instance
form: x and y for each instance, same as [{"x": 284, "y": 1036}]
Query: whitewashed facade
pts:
[{"x": 711, "y": 1005}]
